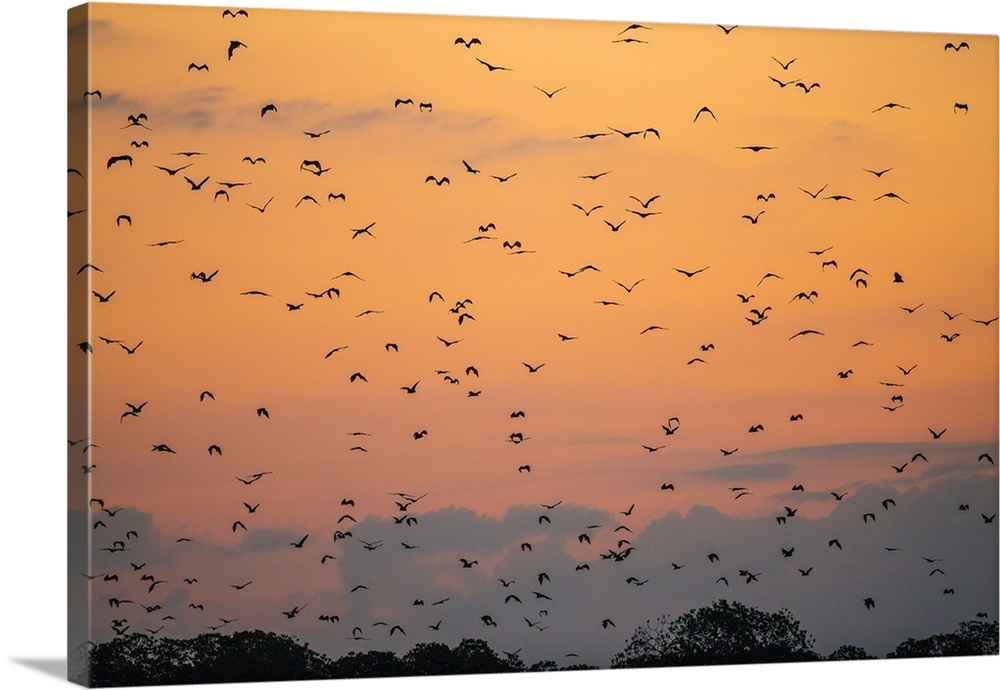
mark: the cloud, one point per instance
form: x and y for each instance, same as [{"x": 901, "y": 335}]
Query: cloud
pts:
[
  {"x": 261, "y": 540},
  {"x": 757, "y": 471},
  {"x": 198, "y": 118},
  {"x": 565, "y": 587}
]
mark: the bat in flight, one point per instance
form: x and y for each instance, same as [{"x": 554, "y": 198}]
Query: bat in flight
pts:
[
  {"x": 890, "y": 106},
  {"x": 632, "y": 27},
  {"x": 233, "y": 45},
  {"x": 493, "y": 68},
  {"x": 263, "y": 208},
  {"x": 585, "y": 211},
  {"x": 632, "y": 133},
  {"x": 550, "y": 94},
  {"x": 705, "y": 109},
  {"x": 173, "y": 171},
  {"x": 691, "y": 274},
  {"x": 120, "y": 159},
  {"x": 782, "y": 84}
]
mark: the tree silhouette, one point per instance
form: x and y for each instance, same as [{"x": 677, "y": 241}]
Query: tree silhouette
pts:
[
  {"x": 254, "y": 656},
  {"x": 722, "y": 633},
  {"x": 849, "y": 652},
  {"x": 140, "y": 659},
  {"x": 429, "y": 659},
  {"x": 368, "y": 665},
  {"x": 972, "y": 638},
  {"x": 475, "y": 656},
  {"x": 129, "y": 660}
]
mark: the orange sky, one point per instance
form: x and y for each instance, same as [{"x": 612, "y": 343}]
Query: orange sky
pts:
[{"x": 599, "y": 397}]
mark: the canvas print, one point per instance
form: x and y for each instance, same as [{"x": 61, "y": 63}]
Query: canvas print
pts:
[{"x": 421, "y": 345}]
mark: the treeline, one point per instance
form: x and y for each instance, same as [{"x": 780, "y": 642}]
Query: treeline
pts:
[
  {"x": 722, "y": 633},
  {"x": 732, "y": 633},
  {"x": 258, "y": 656}
]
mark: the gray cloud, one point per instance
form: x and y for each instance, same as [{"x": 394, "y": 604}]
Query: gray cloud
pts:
[
  {"x": 751, "y": 472},
  {"x": 882, "y": 558}
]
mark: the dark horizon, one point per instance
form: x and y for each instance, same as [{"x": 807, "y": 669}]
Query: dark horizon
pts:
[{"x": 775, "y": 637}]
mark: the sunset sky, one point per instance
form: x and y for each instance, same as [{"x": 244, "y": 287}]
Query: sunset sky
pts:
[{"x": 606, "y": 394}]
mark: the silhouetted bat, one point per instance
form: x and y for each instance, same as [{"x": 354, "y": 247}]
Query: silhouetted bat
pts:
[
  {"x": 492, "y": 68},
  {"x": 891, "y": 105},
  {"x": 705, "y": 109},
  {"x": 782, "y": 84},
  {"x": 550, "y": 94},
  {"x": 891, "y": 195},
  {"x": 691, "y": 274},
  {"x": 173, "y": 171},
  {"x": 120, "y": 159},
  {"x": 233, "y": 45},
  {"x": 643, "y": 132},
  {"x": 263, "y": 208}
]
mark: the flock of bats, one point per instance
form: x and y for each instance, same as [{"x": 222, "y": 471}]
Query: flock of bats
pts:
[{"x": 137, "y": 594}]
